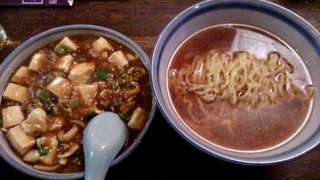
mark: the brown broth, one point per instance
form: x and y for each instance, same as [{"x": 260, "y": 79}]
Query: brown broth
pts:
[{"x": 241, "y": 128}]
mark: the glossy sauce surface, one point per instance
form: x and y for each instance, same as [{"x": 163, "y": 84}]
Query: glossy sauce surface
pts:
[{"x": 114, "y": 84}]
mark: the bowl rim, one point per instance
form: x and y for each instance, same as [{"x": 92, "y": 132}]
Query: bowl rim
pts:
[
  {"x": 294, "y": 20},
  {"x": 115, "y": 35}
]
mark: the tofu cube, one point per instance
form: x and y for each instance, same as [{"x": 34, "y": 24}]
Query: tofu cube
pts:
[
  {"x": 36, "y": 122},
  {"x": 21, "y": 76},
  {"x": 101, "y": 44},
  {"x": 50, "y": 158},
  {"x": 66, "y": 45},
  {"x": 32, "y": 156},
  {"x": 56, "y": 124},
  {"x": 38, "y": 61},
  {"x": 48, "y": 139},
  {"x": 12, "y": 116},
  {"x": 87, "y": 93},
  {"x": 60, "y": 87},
  {"x": 64, "y": 63},
  {"x": 16, "y": 92},
  {"x": 19, "y": 140},
  {"x": 138, "y": 119},
  {"x": 118, "y": 58},
  {"x": 80, "y": 73}
]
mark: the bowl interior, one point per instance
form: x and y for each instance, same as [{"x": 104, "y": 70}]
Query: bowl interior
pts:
[
  {"x": 30, "y": 46},
  {"x": 303, "y": 39}
]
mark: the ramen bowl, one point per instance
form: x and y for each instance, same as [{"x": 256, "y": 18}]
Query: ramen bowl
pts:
[
  {"x": 257, "y": 27},
  {"x": 28, "y": 48}
]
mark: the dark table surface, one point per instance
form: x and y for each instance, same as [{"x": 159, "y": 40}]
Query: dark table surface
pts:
[{"x": 162, "y": 154}]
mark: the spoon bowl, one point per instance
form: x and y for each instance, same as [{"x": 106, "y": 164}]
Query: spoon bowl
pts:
[{"x": 103, "y": 138}]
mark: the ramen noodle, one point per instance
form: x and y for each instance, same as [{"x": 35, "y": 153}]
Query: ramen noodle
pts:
[{"x": 233, "y": 97}]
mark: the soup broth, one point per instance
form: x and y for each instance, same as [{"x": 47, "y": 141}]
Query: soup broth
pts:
[{"x": 244, "y": 121}]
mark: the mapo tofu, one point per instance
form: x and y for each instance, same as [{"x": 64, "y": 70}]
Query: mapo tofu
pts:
[{"x": 57, "y": 90}]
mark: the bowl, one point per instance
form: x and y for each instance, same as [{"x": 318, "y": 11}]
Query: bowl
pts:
[
  {"x": 32, "y": 45},
  {"x": 300, "y": 37}
]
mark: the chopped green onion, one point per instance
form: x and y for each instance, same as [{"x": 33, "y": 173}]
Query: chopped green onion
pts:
[
  {"x": 89, "y": 81},
  {"x": 49, "y": 76},
  {"x": 58, "y": 73},
  {"x": 45, "y": 95},
  {"x": 73, "y": 102},
  {"x": 103, "y": 93},
  {"x": 100, "y": 73},
  {"x": 43, "y": 150},
  {"x": 125, "y": 86},
  {"x": 112, "y": 82},
  {"x": 125, "y": 76},
  {"x": 54, "y": 74},
  {"x": 122, "y": 116},
  {"x": 75, "y": 160},
  {"x": 64, "y": 49},
  {"x": 117, "y": 103},
  {"x": 90, "y": 115},
  {"x": 37, "y": 102}
]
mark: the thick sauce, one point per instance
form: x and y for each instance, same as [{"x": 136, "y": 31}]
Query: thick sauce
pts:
[{"x": 120, "y": 89}]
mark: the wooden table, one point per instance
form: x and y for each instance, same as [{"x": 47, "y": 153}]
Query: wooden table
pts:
[{"x": 163, "y": 154}]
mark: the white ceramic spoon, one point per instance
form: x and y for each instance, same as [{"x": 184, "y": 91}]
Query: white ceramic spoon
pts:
[{"x": 103, "y": 138}]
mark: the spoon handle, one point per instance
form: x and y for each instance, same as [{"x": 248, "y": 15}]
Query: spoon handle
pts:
[{"x": 103, "y": 139}]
